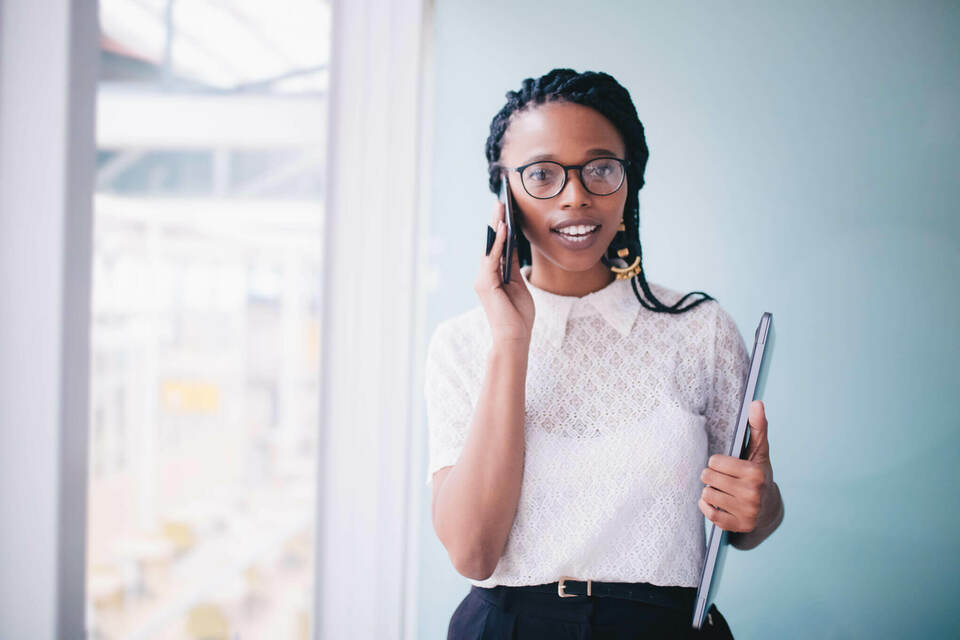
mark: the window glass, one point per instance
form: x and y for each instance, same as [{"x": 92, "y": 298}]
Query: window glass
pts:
[{"x": 211, "y": 124}]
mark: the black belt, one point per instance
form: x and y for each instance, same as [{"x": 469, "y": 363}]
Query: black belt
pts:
[{"x": 673, "y": 597}]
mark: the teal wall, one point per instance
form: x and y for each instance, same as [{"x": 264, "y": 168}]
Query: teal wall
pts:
[{"x": 804, "y": 161}]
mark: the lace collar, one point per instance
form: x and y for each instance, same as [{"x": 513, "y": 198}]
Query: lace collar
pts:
[{"x": 616, "y": 303}]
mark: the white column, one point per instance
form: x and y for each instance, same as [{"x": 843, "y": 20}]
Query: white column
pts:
[
  {"x": 370, "y": 320},
  {"x": 48, "y": 62}
]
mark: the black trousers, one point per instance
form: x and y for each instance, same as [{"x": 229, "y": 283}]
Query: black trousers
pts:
[{"x": 493, "y": 614}]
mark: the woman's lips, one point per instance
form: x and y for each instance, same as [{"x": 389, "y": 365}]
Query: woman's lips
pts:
[{"x": 577, "y": 243}]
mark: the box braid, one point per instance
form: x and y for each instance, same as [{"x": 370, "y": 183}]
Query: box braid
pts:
[{"x": 604, "y": 94}]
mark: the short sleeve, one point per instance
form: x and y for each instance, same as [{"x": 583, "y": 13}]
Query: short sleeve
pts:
[
  {"x": 449, "y": 409},
  {"x": 731, "y": 364}
]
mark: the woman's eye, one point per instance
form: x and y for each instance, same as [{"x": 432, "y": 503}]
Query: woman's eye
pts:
[
  {"x": 539, "y": 175},
  {"x": 600, "y": 171}
]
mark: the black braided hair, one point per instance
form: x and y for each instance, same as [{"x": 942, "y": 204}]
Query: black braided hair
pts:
[{"x": 604, "y": 94}]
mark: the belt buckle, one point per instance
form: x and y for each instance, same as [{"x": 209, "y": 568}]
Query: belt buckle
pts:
[{"x": 561, "y": 588}]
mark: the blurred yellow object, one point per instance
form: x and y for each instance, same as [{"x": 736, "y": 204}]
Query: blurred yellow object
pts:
[
  {"x": 207, "y": 622},
  {"x": 105, "y": 587},
  {"x": 255, "y": 578},
  {"x": 185, "y": 396},
  {"x": 180, "y": 535},
  {"x": 303, "y": 625},
  {"x": 297, "y": 548},
  {"x": 313, "y": 342}
]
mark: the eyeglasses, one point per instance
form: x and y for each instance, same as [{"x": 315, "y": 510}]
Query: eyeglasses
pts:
[{"x": 546, "y": 179}]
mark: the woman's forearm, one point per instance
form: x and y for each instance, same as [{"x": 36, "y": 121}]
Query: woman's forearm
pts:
[{"x": 477, "y": 502}]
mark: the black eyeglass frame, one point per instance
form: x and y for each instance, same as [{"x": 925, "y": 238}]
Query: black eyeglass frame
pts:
[{"x": 624, "y": 163}]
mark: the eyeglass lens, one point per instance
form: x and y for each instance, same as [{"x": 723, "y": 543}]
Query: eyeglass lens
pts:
[{"x": 600, "y": 177}]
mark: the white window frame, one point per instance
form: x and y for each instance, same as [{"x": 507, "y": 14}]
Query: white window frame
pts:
[
  {"x": 48, "y": 75},
  {"x": 369, "y": 481}
]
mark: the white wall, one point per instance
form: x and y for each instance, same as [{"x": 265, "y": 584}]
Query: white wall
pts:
[{"x": 803, "y": 161}]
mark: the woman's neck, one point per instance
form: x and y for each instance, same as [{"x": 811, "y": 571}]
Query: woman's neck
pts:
[{"x": 548, "y": 276}]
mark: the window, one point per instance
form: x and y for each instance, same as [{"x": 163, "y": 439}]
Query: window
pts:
[{"x": 208, "y": 214}]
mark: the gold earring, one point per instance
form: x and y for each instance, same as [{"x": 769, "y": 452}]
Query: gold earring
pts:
[
  {"x": 624, "y": 273},
  {"x": 628, "y": 272}
]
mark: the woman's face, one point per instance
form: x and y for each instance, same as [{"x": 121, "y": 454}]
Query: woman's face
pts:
[{"x": 567, "y": 133}]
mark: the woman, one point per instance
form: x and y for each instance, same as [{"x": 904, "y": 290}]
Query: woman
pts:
[{"x": 577, "y": 453}]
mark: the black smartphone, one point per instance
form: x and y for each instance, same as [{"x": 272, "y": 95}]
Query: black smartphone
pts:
[{"x": 510, "y": 244}]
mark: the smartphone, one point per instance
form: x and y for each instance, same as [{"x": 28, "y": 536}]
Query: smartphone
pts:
[{"x": 510, "y": 245}]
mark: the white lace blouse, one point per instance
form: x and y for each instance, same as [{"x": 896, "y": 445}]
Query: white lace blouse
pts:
[{"x": 623, "y": 407}]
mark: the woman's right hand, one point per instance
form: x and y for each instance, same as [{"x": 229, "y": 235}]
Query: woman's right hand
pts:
[{"x": 509, "y": 307}]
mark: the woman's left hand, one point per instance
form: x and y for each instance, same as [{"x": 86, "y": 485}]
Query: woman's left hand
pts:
[{"x": 740, "y": 494}]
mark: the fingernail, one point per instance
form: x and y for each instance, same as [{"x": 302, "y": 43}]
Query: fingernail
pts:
[{"x": 499, "y": 226}]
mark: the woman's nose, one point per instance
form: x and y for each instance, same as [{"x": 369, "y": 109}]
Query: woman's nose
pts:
[{"x": 573, "y": 195}]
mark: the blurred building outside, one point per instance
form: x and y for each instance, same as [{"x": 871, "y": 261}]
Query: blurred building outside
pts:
[{"x": 211, "y": 124}]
